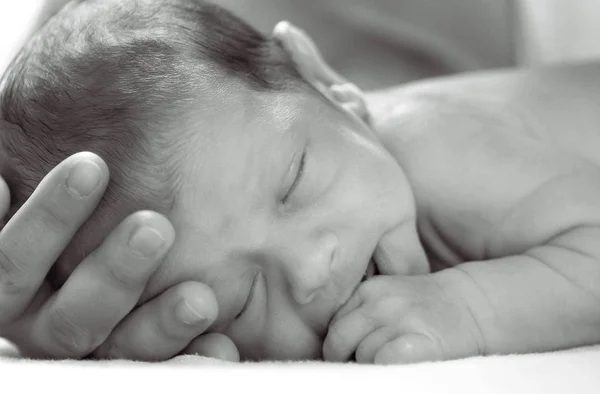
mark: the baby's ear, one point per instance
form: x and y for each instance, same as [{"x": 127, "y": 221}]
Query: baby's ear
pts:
[
  {"x": 352, "y": 99},
  {"x": 314, "y": 69}
]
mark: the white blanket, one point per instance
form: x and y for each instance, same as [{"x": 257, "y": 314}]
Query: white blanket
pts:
[{"x": 575, "y": 371}]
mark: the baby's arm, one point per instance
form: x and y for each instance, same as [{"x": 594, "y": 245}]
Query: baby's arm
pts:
[{"x": 545, "y": 299}]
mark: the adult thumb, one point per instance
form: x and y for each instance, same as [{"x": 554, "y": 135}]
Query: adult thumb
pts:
[{"x": 4, "y": 201}]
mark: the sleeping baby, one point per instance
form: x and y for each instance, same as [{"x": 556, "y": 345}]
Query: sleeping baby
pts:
[{"x": 294, "y": 203}]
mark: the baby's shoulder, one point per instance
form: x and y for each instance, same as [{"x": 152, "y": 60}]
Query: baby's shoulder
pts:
[{"x": 488, "y": 179}]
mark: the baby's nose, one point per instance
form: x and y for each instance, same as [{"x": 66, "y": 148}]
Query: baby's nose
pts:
[{"x": 309, "y": 269}]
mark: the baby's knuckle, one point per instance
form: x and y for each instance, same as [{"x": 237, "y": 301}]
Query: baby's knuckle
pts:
[
  {"x": 369, "y": 288},
  {"x": 69, "y": 336},
  {"x": 384, "y": 307}
]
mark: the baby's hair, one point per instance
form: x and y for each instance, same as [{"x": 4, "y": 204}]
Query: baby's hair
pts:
[{"x": 109, "y": 76}]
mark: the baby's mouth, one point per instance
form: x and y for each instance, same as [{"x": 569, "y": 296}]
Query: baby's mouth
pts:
[{"x": 370, "y": 271}]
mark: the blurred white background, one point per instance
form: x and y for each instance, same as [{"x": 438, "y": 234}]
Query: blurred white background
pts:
[{"x": 16, "y": 19}]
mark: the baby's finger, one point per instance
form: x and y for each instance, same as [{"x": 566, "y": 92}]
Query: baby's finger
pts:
[
  {"x": 164, "y": 326},
  {"x": 410, "y": 348},
  {"x": 354, "y": 302},
  {"x": 37, "y": 234},
  {"x": 399, "y": 252},
  {"x": 344, "y": 336},
  {"x": 214, "y": 345},
  {"x": 104, "y": 287},
  {"x": 365, "y": 353}
]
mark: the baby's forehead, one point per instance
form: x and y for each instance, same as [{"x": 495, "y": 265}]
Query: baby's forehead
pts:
[
  {"x": 237, "y": 153},
  {"x": 236, "y": 119},
  {"x": 232, "y": 142}
]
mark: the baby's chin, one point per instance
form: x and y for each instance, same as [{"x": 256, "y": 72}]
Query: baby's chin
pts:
[
  {"x": 285, "y": 343},
  {"x": 301, "y": 351}
]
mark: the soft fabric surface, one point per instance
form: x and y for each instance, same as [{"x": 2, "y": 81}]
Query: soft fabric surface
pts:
[{"x": 574, "y": 371}]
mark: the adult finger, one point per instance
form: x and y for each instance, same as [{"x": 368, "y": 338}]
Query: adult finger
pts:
[
  {"x": 214, "y": 345},
  {"x": 4, "y": 201},
  {"x": 104, "y": 288},
  {"x": 164, "y": 326},
  {"x": 33, "y": 239}
]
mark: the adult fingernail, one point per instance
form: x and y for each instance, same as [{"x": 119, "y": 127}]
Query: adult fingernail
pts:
[
  {"x": 83, "y": 179},
  {"x": 188, "y": 314},
  {"x": 146, "y": 241}
]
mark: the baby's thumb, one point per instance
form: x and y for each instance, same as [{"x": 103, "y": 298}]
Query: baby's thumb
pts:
[{"x": 399, "y": 252}]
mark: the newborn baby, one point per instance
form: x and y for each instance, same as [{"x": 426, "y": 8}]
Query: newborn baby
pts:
[
  {"x": 284, "y": 201},
  {"x": 278, "y": 197}
]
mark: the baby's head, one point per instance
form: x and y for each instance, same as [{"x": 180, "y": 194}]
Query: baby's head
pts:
[{"x": 279, "y": 197}]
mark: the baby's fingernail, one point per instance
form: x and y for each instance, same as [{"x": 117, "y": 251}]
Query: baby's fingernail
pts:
[
  {"x": 410, "y": 348},
  {"x": 188, "y": 314},
  {"x": 418, "y": 348}
]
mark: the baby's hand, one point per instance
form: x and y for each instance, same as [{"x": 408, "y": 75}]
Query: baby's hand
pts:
[{"x": 402, "y": 319}]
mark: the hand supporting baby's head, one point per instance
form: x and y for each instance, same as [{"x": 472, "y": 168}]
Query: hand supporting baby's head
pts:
[
  {"x": 279, "y": 198},
  {"x": 118, "y": 78}
]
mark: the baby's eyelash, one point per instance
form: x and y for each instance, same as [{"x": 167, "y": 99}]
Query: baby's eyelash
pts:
[{"x": 298, "y": 177}]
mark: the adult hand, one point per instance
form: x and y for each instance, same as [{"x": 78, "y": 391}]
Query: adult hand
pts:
[{"x": 93, "y": 313}]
